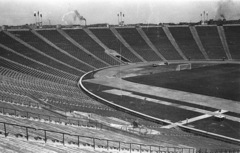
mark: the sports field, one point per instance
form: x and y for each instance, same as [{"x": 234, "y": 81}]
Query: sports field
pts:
[
  {"x": 211, "y": 79},
  {"x": 221, "y": 80}
]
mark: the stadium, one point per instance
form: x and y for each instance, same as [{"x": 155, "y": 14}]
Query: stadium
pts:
[{"x": 120, "y": 88}]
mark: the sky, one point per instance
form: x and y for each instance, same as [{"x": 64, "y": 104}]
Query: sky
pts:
[{"x": 19, "y": 12}]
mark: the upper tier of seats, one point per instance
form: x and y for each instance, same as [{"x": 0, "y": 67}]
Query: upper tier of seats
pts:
[
  {"x": 160, "y": 40},
  {"x": 22, "y": 49},
  {"x": 87, "y": 42},
  {"x": 232, "y": 34},
  {"x": 134, "y": 39},
  {"x": 210, "y": 39},
  {"x": 55, "y": 37},
  {"x": 112, "y": 42},
  {"x": 186, "y": 42},
  {"x": 16, "y": 82},
  {"x": 38, "y": 43},
  {"x": 13, "y": 56}
]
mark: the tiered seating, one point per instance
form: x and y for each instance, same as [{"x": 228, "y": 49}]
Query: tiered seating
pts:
[
  {"x": 66, "y": 97},
  {"x": 232, "y": 34},
  {"x": 36, "y": 42},
  {"x": 111, "y": 41},
  {"x": 138, "y": 44},
  {"x": 26, "y": 81},
  {"x": 18, "y": 47},
  {"x": 35, "y": 65},
  {"x": 12, "y": 98},
  {"x": 162, "y": 43},
  {"x": 166, "y": 137},
  {"x": 35, "y": 73},
  {"x": 55, "y": 37},
  {"x": 17, "y": 83},
  {"x": 88, "y": 132},
  {"x": 186, "y": 42},
  {"x": 13, "y": 145},
  {"x": 211, "y": 41},
  {"x": 87, "y": 42}
]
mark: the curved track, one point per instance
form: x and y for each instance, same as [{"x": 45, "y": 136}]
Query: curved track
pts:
[{"x": 112, "y": 77}]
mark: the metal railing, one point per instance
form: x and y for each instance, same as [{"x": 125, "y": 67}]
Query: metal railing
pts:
[
  {"x": 202, "y": 150},
  {"x": 79, "y": 140},
  {"x": 84, "y": 122}
]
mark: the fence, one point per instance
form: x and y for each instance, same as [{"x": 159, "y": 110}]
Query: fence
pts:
[
  {"x": 14, "y": 100},
  {"x": 218, "y": 151},
  {"x": 27, "y": 114},
  {"x": 84, "y": 122},
  {"x": 66, "y": 138}
]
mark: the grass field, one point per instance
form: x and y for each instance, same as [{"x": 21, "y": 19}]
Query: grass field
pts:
[{"x": 221, "y": 81}]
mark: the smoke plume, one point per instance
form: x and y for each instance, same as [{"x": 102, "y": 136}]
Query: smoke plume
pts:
[
  {"x": 71, "y": 17},
  {"x": 228, "y": 9}
]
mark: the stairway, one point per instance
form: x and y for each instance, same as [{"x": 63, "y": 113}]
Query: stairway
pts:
[
  {"x": 173, "y": 42},
  {"x": 198, "y": 41},
  {"x": 144, "y": 36},
  {"x": 114, "y": 31},
  {"x": 224, "y": 41}
]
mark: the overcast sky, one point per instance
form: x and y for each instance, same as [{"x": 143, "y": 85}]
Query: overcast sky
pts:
[{"x": 17, "y": 12}]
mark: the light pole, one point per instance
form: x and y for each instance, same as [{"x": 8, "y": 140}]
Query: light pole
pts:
[
  {"x": 38, "y": 18},
  {"x": 121, "y": 15},
  {"x": 204, "y": 17},
  {"x": 201, "y": 17},
  {"x": 41, "y": 19},
  {"x": 207, "y": 16},
  {"x": 118, "y": 18}
]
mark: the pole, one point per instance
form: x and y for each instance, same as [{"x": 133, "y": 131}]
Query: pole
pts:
[
  {"x": 45, "y": 135},
  {"x": 207, "y": 16},
  {"x": 63, "y": 138},
  {"x": 94, "y": 143},
  {"x": 5, "y": 130},
  {"x": 121, "y": 18},
  {"x": 203, "y": 17},
  {"x": 118, "y": 18},
  {"x": 27, "y": 133}
]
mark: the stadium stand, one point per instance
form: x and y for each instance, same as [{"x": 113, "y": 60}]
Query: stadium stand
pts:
[
  {"x": 185, "y": 41},
  {"x": 87, "y": 42},
  {"x": 232, "y": 35},
  {"x": 38, "y": 43},
  {"x": 33, "y": 72},
  {"x": 36, "y": 75},
  {"x": 24, "y": 84},
  {"x": 161, "y": 42},
  {"x": 197, "y": 40},
  {"x": 138, "y": 44},
  {"x": 144, "y": 36},
  {"x": 224, "y": 42},
  {"x": 22, "y": 49},
  {"x": 55, "y": 37},
  {"x": 108, "y": 38},
  {"x": 78, "y": 135},
  {"x": 14, "y": 56},
  {"x": 211, "y": 41}
]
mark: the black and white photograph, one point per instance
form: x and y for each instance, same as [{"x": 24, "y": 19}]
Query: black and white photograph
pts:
[{"x": 119, "y": 76}]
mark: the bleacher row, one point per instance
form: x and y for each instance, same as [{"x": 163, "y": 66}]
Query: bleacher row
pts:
[
  {"x": 86, "y": 132},
  {"x": 20, "y": 84},
  {"x": 61, "y": 56},
  {"x": 47, "y": 64}
]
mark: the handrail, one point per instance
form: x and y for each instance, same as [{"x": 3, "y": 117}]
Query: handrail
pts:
[
  {"x": 190, "y": 150},
  {"x": 89, "y": 122}
]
